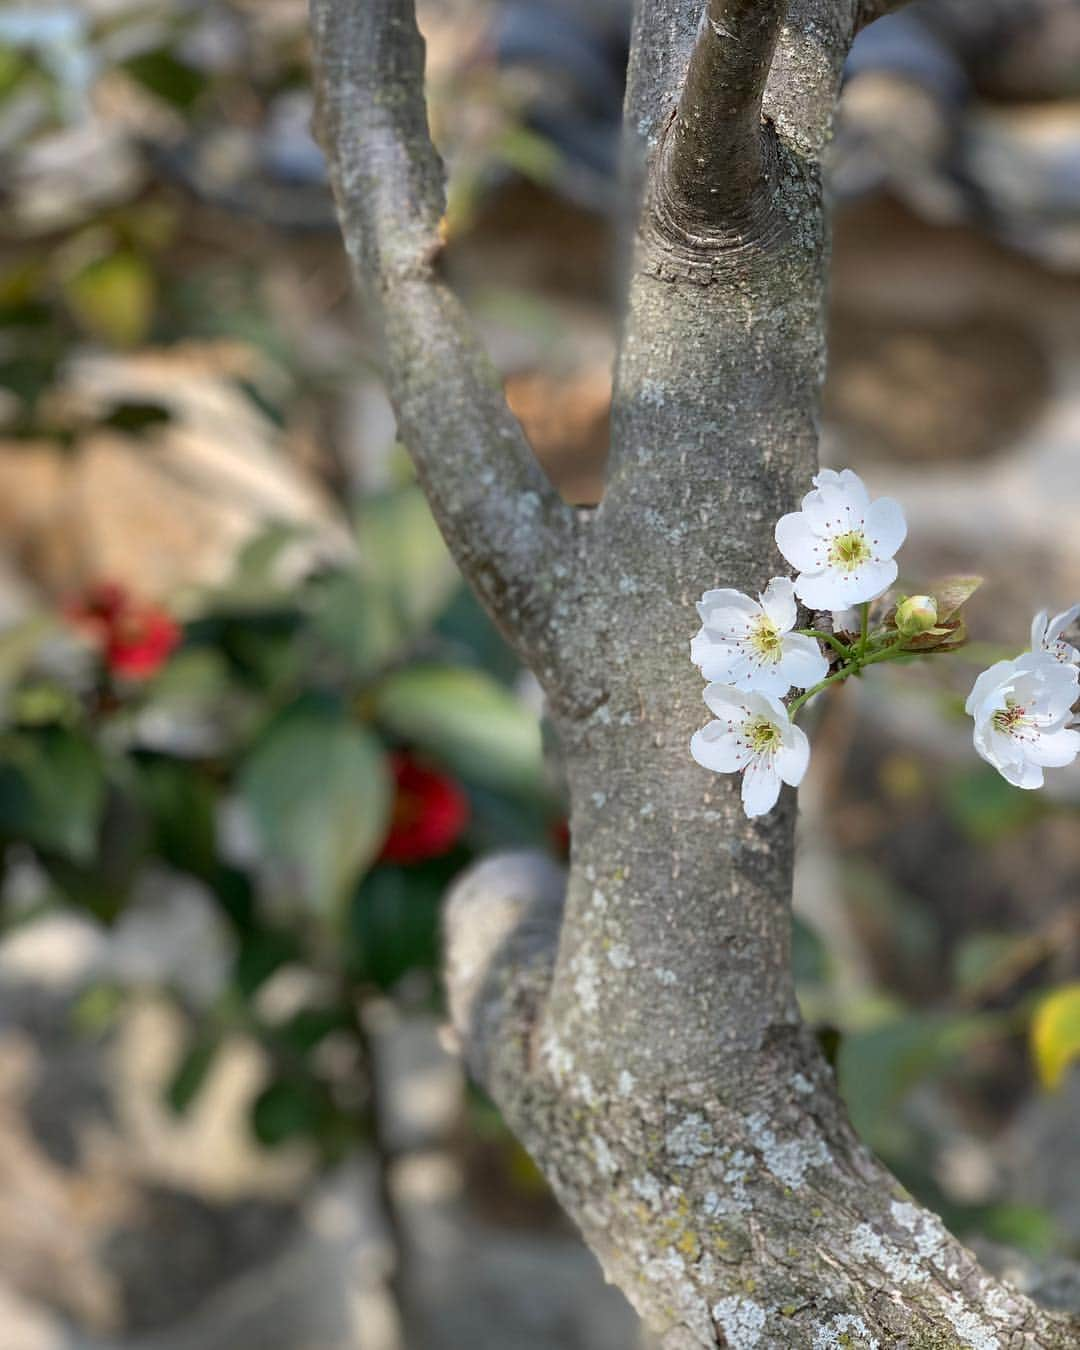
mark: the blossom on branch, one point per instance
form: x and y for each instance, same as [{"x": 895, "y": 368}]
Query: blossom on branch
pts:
[
  {"x": 749, "y": 643},
  {"x": 1023, "y": 716},
  {"x": 1046, "y": 635},
  {"x": 841, "y": 542},
  {"x": 752, "y": 734}
]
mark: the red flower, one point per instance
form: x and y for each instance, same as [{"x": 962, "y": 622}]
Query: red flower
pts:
[
  {"x": 136, "y": 637},
  {"x": 430, "y": 812}
]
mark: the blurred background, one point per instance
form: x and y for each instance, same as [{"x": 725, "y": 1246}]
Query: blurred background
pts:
[{"x": 251, "y": 723}]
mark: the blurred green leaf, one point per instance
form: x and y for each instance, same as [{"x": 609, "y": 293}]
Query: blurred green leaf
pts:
[
  {"x": 984, "y": 806},
  {"x": 352, "y": 617},
  {"x": 20, "y": 643},
  {"x": 181, "y": 801},
  {"x": 306, "y": 1027},
  {"x": 979, "y": 958},
  {"x": 877, "y": 1068},
  {"x": 404, "y": 556},
  {"x": 168, "y": 77},
  {"x": 319, "y": 793},
  {"x": 262, "y": 951},
  {"x": 467, "y": 720},
  {"x": 1055, "y": 1034},
  {"x": 1026, "y": 1227},
  {"x": 394, "y": 921},
  {"x": 191, "y": 1073},
  {"x": 113, "y": 298},
  {"x": 97, "y": 1008},
  {"x": 52, "y": 791},
  {"x": 809, "y": 958},
  {"x": 286, "y": 1109}
]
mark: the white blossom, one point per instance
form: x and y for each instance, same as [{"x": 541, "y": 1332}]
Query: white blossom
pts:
[
  {"x": 752, "y": 735},
  {"x": 841, "y": 542},
  {"x": 749, "y": 643},
  {"x": 1046, "y": 635},
  {"x": 1023, "y": 715}
]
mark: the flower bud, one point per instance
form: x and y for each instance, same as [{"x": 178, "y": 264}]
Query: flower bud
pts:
[{"x": 916, "y": 615}]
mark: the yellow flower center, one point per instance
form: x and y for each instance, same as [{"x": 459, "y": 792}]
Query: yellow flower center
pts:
[
  {"x": 765, "y": 639},
  {"x": 762, "y": 736},
  {"x": 850, "y": 550},
  {"x": 1011, "y": 718}
]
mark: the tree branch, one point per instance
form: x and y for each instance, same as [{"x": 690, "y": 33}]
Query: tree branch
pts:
[
  {"x": 505, "y": 524},
  {"x": 714, "y": 159},
  {"x": 869, "y": 10}
]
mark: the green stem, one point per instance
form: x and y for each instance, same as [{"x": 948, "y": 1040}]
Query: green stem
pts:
[
  {"x": 834, "y": 678},
  {"x": 858, "y": 660},
  {"x": 830, "y": 638},
  {"x": 887, "y": 653},
  {"x": 865, "y": 628}
]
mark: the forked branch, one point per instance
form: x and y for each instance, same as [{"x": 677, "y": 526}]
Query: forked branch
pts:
[{"x": 504, "y": 522}]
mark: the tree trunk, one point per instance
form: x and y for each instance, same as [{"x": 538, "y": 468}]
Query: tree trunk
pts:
[{"x": 636, "y": 1021}]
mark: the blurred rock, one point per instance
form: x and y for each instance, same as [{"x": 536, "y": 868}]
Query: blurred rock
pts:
[{"x": 165, "y": 510}]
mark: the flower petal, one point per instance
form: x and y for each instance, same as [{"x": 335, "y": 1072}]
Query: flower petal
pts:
[
  {"x": 886, "y": 528},
  {"x": 706, "y": 646},
  {"x": 728, "y": 703},
  {"x": 1059, "y": 624},
  {"x": 778, "y": 602},
  {"x": 760, "y": 786},
  {"x": 835, "y": 589},
  {"x": 799, "y": 544},
  {"x": 768, "y": 679},
  {"x": 715, "y": 747},
  {"x": 727, "y": 611},
  {"x": 793, "y": 757},
  {"x": 847, "y": 481},
  {"x": 1038, "y": 630},
  {"x": 1023, "y": 774},
  {"x": 1055, "y": 750},
  {"x": 1000, "y": 673},
  {"x": 802, "y": 663},
  {"x": 736, "y": 670},
  {"x": 832, "y": 511}
]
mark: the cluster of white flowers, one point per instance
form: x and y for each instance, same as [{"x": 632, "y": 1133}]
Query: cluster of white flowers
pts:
[
  {"x": 1023, "y": 708},
  {"x": 842, "y": 546}
]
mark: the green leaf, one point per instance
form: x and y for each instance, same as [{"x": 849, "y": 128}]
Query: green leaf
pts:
[
  {"x": 986, "y": 807},
  {"x": 1055, "y": 1034},
  {"x": 405, "y": 557},
  {"x": 171, "y": 79},
  {"x": 952, "y": 593},
  {"x": 285, "y": 1109},
  {"x": 113, "y": 298},
  {"x": 181, "y": 801},
  {"x": 190, "y": 1074},
  {"x": 877, "y": 1068},
  {"x": 354, "y": 620},
  {"x": 809, "y": 957},
  {"x": 319, "y": 793},
  {"x": 467, "y": 720},
  {"x": 394, "y": 922},
  {"x": 982, "y": 958},
  {"x": 52, "y": 791}
]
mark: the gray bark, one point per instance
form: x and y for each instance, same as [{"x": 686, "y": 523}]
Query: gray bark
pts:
[{"x": 636, "y": 1020}]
